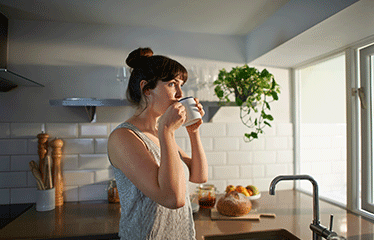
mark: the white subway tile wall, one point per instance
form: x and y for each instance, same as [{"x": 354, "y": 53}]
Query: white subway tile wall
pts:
[
  {"x": 87, "y": 171},
  {"x": 62, "y": 130},
  {"x": 25, "y": 130},
  {"x": 4, "y": 130},
  {"x": 5, "y": 163}
]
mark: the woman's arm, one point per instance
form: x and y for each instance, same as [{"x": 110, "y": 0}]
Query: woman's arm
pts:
[
  {"x": 164, "y": 183},
  {"x": 171, "y": 174},
  {"x": 197, "y": 163},
  {"x": 130, "y": 154}
]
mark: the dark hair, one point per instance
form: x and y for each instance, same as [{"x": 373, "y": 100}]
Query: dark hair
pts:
[{"x": 151, "y": 68}]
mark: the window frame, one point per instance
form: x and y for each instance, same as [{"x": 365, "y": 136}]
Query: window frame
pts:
[
  {"x": 354, "y": 142},
  {"x": 365, "y": 65}
]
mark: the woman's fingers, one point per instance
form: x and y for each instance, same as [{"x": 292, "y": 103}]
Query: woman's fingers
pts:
[
  {"x": 174, "y": 116},
  {"x": 199, "y": 107},
  {"x": 194, "y": 127}
]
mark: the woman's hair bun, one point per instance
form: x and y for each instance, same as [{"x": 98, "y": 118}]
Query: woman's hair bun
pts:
[{"x": 135, "y": 57}]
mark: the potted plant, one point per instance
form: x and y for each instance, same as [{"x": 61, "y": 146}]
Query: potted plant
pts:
[{"x": 253, "y": 91}]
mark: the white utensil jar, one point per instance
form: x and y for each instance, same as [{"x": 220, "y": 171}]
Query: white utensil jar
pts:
[{"x": 45, "y": 200}]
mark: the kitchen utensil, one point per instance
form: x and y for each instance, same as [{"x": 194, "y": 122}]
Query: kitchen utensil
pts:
[
  {"x": 56, "y": 145},
  {"x": 45, "y": 200},
  {"x": 36, "y": 173},
  {"x": 42, "y": 151},
  {"x": 215, "y": 215},
  {"x": 48, "y": 174}
]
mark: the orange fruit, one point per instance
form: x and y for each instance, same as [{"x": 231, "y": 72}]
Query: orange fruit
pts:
[{"x": 230, "y": 188}]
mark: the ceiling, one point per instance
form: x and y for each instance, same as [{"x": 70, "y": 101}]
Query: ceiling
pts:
[
  {"x": 224, "y": 17},
  {"x": 351, "y": 27}
]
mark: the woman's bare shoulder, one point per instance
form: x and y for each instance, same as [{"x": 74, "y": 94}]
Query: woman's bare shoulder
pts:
[{"x": 124, "y": 137}]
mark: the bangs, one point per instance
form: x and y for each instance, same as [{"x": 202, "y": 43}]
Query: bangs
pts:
[
  {"x": 172, "y": 69},
  {"x": 181, "y": 74}
]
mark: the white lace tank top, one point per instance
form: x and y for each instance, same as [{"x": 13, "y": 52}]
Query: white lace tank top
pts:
[{"x": 142, "y": 218}]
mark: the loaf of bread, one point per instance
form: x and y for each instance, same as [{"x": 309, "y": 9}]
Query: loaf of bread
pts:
[{"x": 234, "y": 204}]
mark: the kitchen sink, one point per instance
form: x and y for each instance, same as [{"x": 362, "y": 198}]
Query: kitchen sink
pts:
[{"x": 280, "y": 234}]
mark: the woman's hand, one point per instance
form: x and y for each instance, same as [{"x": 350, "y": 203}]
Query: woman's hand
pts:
[
  {"x": 174, "y": 117},
  {"x": 194, "y": 127}
]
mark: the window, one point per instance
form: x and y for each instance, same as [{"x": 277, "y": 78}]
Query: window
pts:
[
  {"x": 322, "y": 128},
  {"x": 334, "y": 138}
]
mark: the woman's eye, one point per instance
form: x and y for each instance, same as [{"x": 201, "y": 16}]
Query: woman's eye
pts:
[{"x": 171, "y": 84}]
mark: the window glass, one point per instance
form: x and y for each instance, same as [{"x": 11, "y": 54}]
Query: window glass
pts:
[{"x": 323, "y": 128}]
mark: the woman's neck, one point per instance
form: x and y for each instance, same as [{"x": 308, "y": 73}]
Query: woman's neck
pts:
[{"x": 146, "y": 121}]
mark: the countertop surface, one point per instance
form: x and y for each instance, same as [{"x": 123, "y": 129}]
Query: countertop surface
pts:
[
  {"x": 10, "y": 212},
  {"x": 294, "y": 213},
  {"x": 94, "y": 220},
  {"x": 99, "y": 220}
]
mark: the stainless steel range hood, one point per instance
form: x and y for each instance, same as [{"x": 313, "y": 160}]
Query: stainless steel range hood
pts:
[{"x": 9, "y": 79}]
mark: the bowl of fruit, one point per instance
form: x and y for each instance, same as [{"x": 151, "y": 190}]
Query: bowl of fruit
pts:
[{"x": 250, "y": 191}]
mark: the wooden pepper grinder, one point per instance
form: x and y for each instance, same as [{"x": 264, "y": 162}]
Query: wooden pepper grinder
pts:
[
  {"x": 58, "y": 183},
  {"x": 42, "y": 151}
]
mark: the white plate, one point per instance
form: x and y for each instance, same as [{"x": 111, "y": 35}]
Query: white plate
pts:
[
  {"x": 254, "y": 197},
  {"x": 195, "y": 207}
]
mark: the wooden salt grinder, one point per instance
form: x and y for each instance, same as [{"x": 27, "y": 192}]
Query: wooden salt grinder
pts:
[
  {"x": 42, "y": 151},
  {"x": 58, "y": 183}
]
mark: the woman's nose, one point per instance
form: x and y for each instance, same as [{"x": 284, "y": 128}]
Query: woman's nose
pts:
[{"x": 179, "y": 93}]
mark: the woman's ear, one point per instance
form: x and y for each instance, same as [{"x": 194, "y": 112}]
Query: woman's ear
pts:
[{"x": 142, "y": 84}]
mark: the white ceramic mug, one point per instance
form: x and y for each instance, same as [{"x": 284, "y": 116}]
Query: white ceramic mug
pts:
[
  {"x": 193, "y": 114},
  {"x": 45, "y": 200}
]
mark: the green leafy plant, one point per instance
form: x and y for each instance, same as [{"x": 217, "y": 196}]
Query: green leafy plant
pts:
[{"x": 253, "y": 91}]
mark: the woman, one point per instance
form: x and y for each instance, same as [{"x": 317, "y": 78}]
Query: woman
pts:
[{"x": 151, "y": 170}]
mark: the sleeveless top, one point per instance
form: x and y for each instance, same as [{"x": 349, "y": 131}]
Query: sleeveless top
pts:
[{"x": 141, "y": 217}]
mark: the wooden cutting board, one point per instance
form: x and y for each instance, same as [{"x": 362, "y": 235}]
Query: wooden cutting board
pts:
[{"x": 215, "y": 215}]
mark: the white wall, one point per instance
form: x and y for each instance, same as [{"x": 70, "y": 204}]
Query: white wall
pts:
[
  {"x": 86, "y": 166},
  {"x": 79, "y": 61},
  {"x": 86, "y": 169}
]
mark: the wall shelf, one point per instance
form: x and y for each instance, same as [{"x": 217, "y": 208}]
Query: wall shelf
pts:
[{"x": 90, "y": 104}]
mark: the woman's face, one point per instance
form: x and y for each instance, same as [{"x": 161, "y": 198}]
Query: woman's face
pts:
[{"x": 165, "y": 94}]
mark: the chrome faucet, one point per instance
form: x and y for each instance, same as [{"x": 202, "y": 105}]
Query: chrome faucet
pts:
[{"x": 318, "y": 230}]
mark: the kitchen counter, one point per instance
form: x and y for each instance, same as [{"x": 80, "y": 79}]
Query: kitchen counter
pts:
[
  {"x": 294, "y": 212},
  {"x": 83, "y": 220},
  {"x": 99, "y": 220},
  {"x": 10, "y": 212}
]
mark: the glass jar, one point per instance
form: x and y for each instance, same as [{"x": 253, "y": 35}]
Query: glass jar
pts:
[
  {"x": 113, "y": 196},
  {"x": 207, "y": 195}
]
